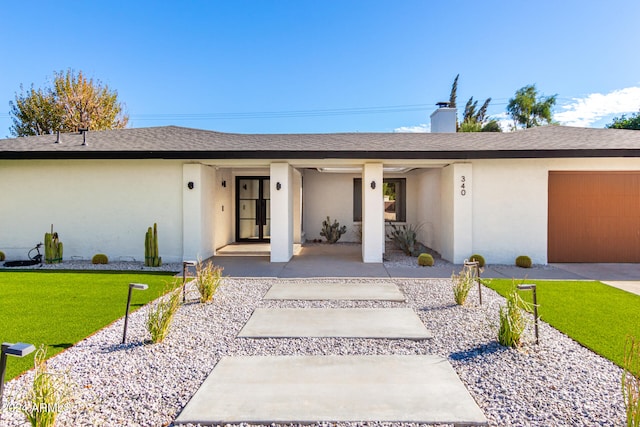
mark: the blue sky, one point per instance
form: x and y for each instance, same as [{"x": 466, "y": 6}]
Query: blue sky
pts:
[{"x": 327, "y": 66}]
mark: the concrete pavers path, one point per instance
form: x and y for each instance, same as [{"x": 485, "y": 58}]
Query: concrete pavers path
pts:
[
  {"x": 308, "y": 389},
  {"x": 310, "y": 291},
  {"x": 390, "y": 323}
]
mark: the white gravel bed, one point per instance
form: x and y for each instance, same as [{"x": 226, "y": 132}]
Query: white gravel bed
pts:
[{"x": 557, "y": 383}]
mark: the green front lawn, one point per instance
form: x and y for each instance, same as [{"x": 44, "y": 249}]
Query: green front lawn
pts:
[
  {"x": 59, "y": 309},
  {"x": 594, "y": 314}
]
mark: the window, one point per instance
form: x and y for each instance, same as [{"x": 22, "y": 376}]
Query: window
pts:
[{"x": 394, "y": 193}]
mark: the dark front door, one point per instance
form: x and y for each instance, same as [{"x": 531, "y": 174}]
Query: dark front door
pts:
[{"x": 252, "y": 209}]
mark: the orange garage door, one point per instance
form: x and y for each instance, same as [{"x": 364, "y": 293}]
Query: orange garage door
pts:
[{"x": 594, "y": 217}]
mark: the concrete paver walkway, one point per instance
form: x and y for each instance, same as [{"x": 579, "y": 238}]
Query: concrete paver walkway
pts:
[
  {"x": 391, "y": 323},
  {"x": 308, "y": 389},
  {"x": 334, "y": 291}
]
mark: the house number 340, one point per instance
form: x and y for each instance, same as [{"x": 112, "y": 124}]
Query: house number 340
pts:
[{"x": 463, "y": 186}]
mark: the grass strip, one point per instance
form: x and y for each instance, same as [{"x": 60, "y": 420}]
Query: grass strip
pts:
[
  {"x": 59, "y": 309},
  {"x": 598, "y": 316}
]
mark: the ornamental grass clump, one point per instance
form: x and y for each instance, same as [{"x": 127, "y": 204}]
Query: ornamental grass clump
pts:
[
  {"x": 512, "y": 319},
  {"x": 48, "y": 395},
  {"x": 160, "y": 316},
  {"x": 631, "y": 381},
  {"x": 208, "y": 280},
  {"x": 462, "y": 284}
]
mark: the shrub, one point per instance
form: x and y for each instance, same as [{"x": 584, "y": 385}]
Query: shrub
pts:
[
  {"x": 332, "y": 232},
  {"x": 1, "y": 256},
  {"x": 405, "y": 237},
  {"x": 100, "y": 259},
  {"x": 523, "y": 261},
  {"x": 631, "y": 381},
  {"x": 208, "y": 279},
  {"x": 512, "y": 319},
  {"x": 462, "y": 284},
  {"x": 478, "y": 258},
  {"x": 160, "y": 316},
  {"x": 425, "y": 260},
  {"x": 49, "y": 393}
]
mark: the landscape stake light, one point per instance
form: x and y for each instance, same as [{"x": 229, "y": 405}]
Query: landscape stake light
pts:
[
  {"x": 132, "y": 286},
  {"x": 532, "y": 288},
  {"x": 17, "y": 350},
  {"x": 184, "y": 278},
  {"x": 476, "y": 266}
]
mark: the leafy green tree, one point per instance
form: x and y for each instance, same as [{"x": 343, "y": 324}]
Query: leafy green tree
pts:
[
  {"x": 475, "y": 119},
  {"x": 528, "y": 109},
  {"x": 624, "y": 122},
  {"x": 72, "y": 102}
]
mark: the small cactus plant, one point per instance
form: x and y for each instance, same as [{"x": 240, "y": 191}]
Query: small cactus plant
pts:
[
  {"x": 52, "y": 248},
  {"x": 523, "y": 261},
  {"x": 425, "y": 260},
  {"x": 151, "y": 258},
  {"x": 1, "y": 256},
  {"x": 100, "y": 259},
  {"x": 332, "y": 232},
  {"x": 478, "y": 258}
]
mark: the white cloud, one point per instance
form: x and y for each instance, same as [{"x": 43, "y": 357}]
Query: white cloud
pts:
[
  {"x": 421, "y": 128},
  {"x": 588, "y": 110}
]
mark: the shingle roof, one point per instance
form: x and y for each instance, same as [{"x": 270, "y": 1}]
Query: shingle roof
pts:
[{"x": 179, "y": 142}]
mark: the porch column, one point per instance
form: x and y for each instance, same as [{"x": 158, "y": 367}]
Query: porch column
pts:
[
  {"x": 297, "y": 206},
  {"x": 372, "y": 213},
  {"x": 457, "y": 212},
  {"x": 281, "y": 212},
  {"x": 198, "y": 196}
]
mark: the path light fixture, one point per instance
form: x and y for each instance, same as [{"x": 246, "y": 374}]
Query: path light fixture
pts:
[
  {"x": 475, "y": 265},
  {"x": 185, "y": 264},
  {"x": 132, "y": 286},
  {"x": 17, "y": 350},
  {"x": 532, "y": 287}
]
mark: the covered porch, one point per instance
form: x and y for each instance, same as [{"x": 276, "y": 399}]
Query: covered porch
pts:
[{"x": 284, "y": 204}]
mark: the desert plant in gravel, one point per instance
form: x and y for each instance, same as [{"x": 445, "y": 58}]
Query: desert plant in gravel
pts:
[
  {"x": 631, "y": 381},
  {"x": 512, "y": 320},
  {"x": 462, "y": 284},
  {"x": 49, "y": 394},
  {"x": 425, "y": 260},
  {"x": 100, "y": 259},
  {"x": 208, "y": 280},
  {"x": 477, "y": 258},
  {"x": 332, "y": 232},
  {"x": 523, "y": 261},
  {"x": 161, "y": 314},
  {"x": 405, "y": 237}
]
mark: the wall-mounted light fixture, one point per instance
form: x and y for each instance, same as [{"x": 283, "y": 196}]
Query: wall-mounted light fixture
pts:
[
  {"x": 224, "y": 183},
  {"x": 17, "y": 350},
  {"x": 244, "y": 186},
  {"x": 373, "y": 185},
  {"x": 532, "y": 287},
  {"x": 278, "y": 186},
  {"x": 132, "y": 286},
  {"x": 190, "y": 185},
  {"x": 185, "y": 264}
]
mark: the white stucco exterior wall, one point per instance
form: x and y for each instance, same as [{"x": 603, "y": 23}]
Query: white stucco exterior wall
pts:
[
  {"x": 425, "y": 200},
  {"x": 372, "y": 213},
  {"x": 96, "y": 206},
  {"x": 328, "y": 194},
  {"x": 281, "y": 212}
]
